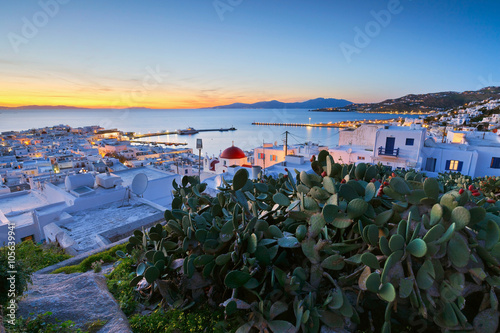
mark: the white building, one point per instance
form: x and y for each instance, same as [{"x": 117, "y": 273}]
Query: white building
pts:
[
  {"x": 399, "y": 146},
  {"x": 86, "y": 212},
  {"x": 230, "y": 157},
  {"x": 394, "y": 146},
  {"x": 476, "y": 154}
]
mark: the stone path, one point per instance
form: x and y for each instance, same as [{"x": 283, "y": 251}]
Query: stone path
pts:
[{"x": 80, "y": 297}]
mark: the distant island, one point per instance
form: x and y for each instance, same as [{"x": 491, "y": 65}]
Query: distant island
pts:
[
  {"x": 422, "y": 103},
  {"x": 310, "y": 104}
]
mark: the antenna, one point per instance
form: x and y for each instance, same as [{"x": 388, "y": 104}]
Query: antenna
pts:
[{"x": 139, "y": 184}]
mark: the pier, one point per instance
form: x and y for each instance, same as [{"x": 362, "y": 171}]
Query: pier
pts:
[
  {"x": 138, "y": 136},
  {"x": 297, "y": 124},
  {"x": 187, "y": 131},
  {"x": 160, "y": 143},
  {"x": 340, "y": 124}
]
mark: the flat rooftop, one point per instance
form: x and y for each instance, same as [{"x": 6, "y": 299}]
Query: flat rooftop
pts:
[
  {"x": 152, "y": 174},
  {"x": 20, "y": 202},
  {"x": 487, "y": 142},
  {"x": 22, "y": 220},
  {"x": 89, "y": 223}
]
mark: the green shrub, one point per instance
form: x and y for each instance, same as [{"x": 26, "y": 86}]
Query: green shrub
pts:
[
  {"x": 118, "y": 285},
  {"x": 199, "y": 320},
  {"x": 38, "y": 256},
  {"x": 335, "y": 248},
  {"x": 86, "y": 265},
  {"x": 18, "y": 280},
  {"x": 43, "y": 324}
]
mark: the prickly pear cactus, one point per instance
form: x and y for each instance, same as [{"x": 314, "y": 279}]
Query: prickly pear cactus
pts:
[{"x": 346, "y": 247}]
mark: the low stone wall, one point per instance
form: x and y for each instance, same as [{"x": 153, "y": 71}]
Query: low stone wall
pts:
[{"x": 79, "y": 258}]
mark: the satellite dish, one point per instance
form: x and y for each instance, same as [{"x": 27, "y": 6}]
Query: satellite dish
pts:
[{"x": 139, "y": 184}]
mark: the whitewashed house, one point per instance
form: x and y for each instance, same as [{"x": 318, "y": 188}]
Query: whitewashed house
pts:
[{"x": 399, "y": 146}]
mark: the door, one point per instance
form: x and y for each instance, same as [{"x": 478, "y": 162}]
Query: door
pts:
[
  {"x": 389, "y": 146},
  {"x": 430, "y": 165}
]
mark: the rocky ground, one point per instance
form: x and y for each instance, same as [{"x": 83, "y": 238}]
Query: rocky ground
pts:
[{"x": 80, "y": 297}]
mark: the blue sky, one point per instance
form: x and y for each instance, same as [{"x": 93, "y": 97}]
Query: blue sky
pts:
[{"x": 100, "y": 53}]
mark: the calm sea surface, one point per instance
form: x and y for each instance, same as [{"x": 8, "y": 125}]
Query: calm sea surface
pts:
[{"x": 247, "y": 136}]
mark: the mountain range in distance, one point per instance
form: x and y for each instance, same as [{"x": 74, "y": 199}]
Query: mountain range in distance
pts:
[{"x": 316, "y": 103}]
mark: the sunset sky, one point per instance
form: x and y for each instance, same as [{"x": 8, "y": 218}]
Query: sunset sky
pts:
[{"x": 199, "y": 53}]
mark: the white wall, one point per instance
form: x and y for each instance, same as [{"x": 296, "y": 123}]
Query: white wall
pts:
[
  {"x": 468, "y": 157},
  {"x": 408, "y": 155},
  {"x": 351, "y": 156},
  {"x": 361, "y": 136},
  {"x": 485, "y": 154}
]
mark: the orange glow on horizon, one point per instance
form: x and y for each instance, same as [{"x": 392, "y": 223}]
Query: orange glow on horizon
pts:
[
  {"x": 93, "y": 102},
  {"x": 23, "y": 92}
]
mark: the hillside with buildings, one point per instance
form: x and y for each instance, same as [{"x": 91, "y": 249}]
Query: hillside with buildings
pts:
[{"x": 422, "y": 103}]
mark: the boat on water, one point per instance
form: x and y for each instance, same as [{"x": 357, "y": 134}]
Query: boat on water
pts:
[{"x": 187, "y": 131}]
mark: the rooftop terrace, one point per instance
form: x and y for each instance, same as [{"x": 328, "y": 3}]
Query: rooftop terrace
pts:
[
  {"x": 21, "y": 201},
  {"x": 128, "y": 175},
  {"x": 89, "y": 223}
]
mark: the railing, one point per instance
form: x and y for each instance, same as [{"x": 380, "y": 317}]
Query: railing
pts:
[{"x": 392, "y": 152}]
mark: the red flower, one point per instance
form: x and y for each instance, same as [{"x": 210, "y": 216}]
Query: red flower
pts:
[
  {"x": 373, "y": 180},
  {"x": 386, "y": 183},
  {"x": 471, "y": 187},
  {"x": 476, "y": 194},
  {"x": 393, "y": 174},
  {"x": 490, "y": 201},
  {"x": 286, "y": 169},
  {"x": 323, "y": 174},
  {"x": 461, "y": 191},
  {"x": 343, "y": 181}
]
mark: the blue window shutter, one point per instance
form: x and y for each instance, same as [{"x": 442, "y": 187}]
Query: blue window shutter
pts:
[
  {"x": 495, "y": 163},
  {"x": 460, "y": 165},
  {"x": 447, "y": 167}
]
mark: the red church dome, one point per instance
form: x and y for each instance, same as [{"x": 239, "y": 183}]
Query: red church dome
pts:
[{"x": 232, "y": 153}]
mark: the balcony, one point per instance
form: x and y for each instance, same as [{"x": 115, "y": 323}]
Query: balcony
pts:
[{"x": 388, "y": 152}]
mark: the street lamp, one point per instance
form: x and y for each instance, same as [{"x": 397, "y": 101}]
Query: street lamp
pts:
[{"x": 199, "y": 145}]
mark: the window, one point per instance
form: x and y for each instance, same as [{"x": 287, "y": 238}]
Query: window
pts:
[
  {"x": 261, "y": 156},
  {"x": 410, "y": 142},
  {"x": 454, "y": 165},
  {"x": 30, "y": 237},
  {"x": 273, "y": 158},
  {"x": 495, "y": 163}
]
